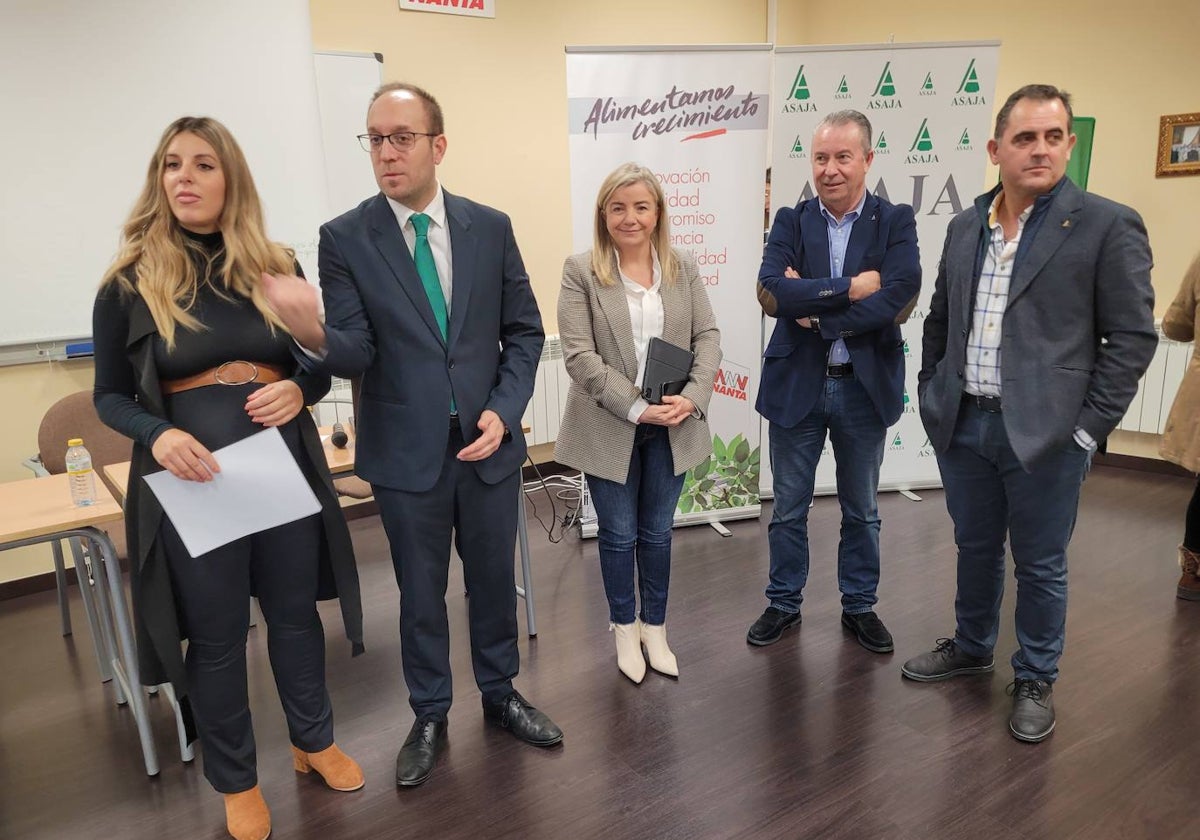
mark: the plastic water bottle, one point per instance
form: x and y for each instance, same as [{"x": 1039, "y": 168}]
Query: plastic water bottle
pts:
[{"x": 82, "y": 478}]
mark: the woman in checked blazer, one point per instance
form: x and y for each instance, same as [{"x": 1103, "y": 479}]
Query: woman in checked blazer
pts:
[{"x": 631, "y": 287}]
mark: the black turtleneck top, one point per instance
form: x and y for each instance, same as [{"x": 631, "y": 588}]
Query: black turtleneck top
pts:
[{"x": 234, "y": 329}]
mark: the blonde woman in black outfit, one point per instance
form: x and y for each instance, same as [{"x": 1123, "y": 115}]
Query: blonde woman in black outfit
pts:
[{"x": 179, "y": 317}]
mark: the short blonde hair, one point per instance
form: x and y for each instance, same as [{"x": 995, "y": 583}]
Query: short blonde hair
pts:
[{"x": 603, "y": 264}]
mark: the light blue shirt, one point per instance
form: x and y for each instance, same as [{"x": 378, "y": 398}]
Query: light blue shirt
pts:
[{"x": 839, "y": 238}]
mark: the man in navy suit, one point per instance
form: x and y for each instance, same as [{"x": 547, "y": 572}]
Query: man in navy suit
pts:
[
  {"x": 838, "y": 271},
  {"x": 426, "y": 297}
]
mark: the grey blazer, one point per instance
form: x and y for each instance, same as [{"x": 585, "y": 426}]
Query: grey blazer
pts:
[
  {"x": 597, "y": 339},
  {"x": 1078, "y": 332}
]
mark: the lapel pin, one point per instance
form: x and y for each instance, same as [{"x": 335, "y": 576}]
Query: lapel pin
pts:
[{"x": 1066, "y": 223}]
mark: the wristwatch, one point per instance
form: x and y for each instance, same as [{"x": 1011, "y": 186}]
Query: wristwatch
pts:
[{"x": 815, "y": 322}]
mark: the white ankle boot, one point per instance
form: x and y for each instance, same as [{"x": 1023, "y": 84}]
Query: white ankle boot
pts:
[
  {"x": 654, "y": 637},
  {"x": 629, "y": 651}
]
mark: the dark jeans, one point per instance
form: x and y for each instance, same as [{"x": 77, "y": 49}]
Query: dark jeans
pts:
[
  {"x": 990, "y": 495},
  {"x": 212, "y": 592},
  {"x": 481, "y": 519},
  {"x": 845, "y": 410},
  {"x": 633, "y": 521}
]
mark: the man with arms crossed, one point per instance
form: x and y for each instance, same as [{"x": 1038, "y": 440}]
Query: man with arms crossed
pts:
[
  {"x": 837, "y": 272},
  {"x": 1041, "y": 325}
]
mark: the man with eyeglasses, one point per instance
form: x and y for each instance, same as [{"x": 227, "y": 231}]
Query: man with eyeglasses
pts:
[{"x": 426, "y": 297}]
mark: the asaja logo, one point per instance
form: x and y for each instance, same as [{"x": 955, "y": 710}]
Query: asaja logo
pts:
[
  {"x": 927, "y": 86},
  {"x": 881, "y": 144},
  {"x": 798, "y": 100},
  {"x": 964, "y": 142},
  {"x": 897, "y": 444},
  {"x": 843, "y": 90},
  {"x": 909, "y": 408},
  {"x": 921, "y": 150},
  {"x": 926, "y": 450},
  {"x": 968, "y": 89},
  {"x": 797, "y": 151},
  {"x": 885, "y": 91},
  {"x": 907, "y": 355}
]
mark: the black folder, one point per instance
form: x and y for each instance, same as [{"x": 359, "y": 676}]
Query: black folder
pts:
[{"x": 667, "y": 370}]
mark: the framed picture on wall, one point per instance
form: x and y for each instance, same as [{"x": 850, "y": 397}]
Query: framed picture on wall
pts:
[{"x": 1178, "y": 145}]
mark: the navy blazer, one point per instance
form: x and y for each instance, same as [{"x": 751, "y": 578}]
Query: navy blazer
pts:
[
  {"x": 884, "y": 238},
  {"x": 379, "y": 323}
]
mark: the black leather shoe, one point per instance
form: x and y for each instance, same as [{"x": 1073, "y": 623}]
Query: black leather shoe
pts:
[
  {"x": 770, "y": 626},
  {"x": 869, "y": 631},
  {"x": 518, "y": 716},
  {"x": 416, "y": 759},
  {"x": 1033, "y": 710},
  {"x": 945, "y": 661}
]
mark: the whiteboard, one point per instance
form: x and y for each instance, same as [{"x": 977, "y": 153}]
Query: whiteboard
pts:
[
  {"x": 87, "y": 89},
  {"x": 345, "y": 82}
]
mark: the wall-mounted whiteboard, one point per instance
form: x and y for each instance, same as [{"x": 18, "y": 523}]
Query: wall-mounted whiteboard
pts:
[
  {"x": 345, "y": 82},
  {"x": 86, "y": 90}
]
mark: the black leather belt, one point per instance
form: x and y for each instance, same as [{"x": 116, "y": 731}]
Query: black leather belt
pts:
[
  {"x": 988, "y": 404},
  {"x": 840, "y": 371}
]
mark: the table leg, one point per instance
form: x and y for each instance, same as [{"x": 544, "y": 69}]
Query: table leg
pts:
[
  {"x": 60, "y": 580},
  {"x": 526, "y": 591},
  {"x": 126, "y": 666}
]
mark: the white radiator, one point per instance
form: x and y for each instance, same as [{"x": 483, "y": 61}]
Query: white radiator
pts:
[
  {"x": 549, "y": 394},
  {"x": 1148, "y": 411}
]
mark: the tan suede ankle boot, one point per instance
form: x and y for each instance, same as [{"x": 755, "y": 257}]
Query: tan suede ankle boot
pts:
[
  {"x": 246, "y": 815},
  {"x": 340, "y": 771}
]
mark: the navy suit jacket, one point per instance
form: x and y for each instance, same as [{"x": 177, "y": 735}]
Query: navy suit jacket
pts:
[
  {"x": 884, "y": 239},
  {"x": 379, "y": 324}
]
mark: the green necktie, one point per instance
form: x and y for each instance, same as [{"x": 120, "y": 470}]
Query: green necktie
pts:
[{"x": 427, "y": 269}]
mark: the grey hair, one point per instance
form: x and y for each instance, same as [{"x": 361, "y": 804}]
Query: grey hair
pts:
[{"x": 849, "y": 117}]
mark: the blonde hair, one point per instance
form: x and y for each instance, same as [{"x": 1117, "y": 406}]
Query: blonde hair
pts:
[
  {"x": 603, "y": 264},
  {"x": 156, "y": 260}
]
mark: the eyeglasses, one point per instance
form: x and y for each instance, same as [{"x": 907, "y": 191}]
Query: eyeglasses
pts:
[{"x": 401, "y": 140}]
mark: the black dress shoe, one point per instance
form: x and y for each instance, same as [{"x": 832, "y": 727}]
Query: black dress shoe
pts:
[
  {"x": 869, "y": 631},
  {"x": 518, "y": 716},
  {"x": 1033, "y": 710},
  {"x": 946, "y": 660},
  {"x": 416, "y": 759},
  {"x": 770, "y": 626}
]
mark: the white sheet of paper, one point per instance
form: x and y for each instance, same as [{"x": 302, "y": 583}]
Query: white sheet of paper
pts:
[{"x": 260, "y": 486}]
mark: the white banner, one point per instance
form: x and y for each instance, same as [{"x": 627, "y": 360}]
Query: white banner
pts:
[
  {"x": 698, "y": 118},
  {"x": 930, "y": 108}
]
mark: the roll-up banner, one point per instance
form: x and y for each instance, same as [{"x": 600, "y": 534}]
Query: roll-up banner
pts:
[
  {"x": 698, "y": 118},
  {"x": 930, "y": 107}
]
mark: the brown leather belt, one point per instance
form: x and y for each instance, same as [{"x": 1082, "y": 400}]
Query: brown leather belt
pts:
[{"x": 230, "y": 373}]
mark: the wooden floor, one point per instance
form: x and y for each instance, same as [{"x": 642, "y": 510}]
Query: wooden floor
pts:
[{"x": 812, "y": 737}]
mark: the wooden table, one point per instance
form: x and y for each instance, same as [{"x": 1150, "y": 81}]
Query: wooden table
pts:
[{"x": 39, "y": 510}]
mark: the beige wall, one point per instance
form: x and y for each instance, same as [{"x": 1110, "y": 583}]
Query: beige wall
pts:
[{"x": 502, "y": 85}]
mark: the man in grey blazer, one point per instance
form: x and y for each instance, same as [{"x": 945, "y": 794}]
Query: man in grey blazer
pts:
[
  {"x": 1040, "y": 327},
  {"x": 426, "y": 297}
]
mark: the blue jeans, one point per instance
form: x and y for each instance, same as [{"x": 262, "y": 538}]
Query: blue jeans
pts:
[
  {"x": 634, "y": 519},
  {"x": 990, "y": 495},
  {"x": 845, "y": 410}
]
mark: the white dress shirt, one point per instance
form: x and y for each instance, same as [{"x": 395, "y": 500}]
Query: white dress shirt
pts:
[
  {"x": 439, "y": 237},
  {"x": 646, "y": 318}
]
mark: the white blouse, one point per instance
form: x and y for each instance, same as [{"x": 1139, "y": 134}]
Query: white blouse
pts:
[{"x": 646, "y": 318}]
